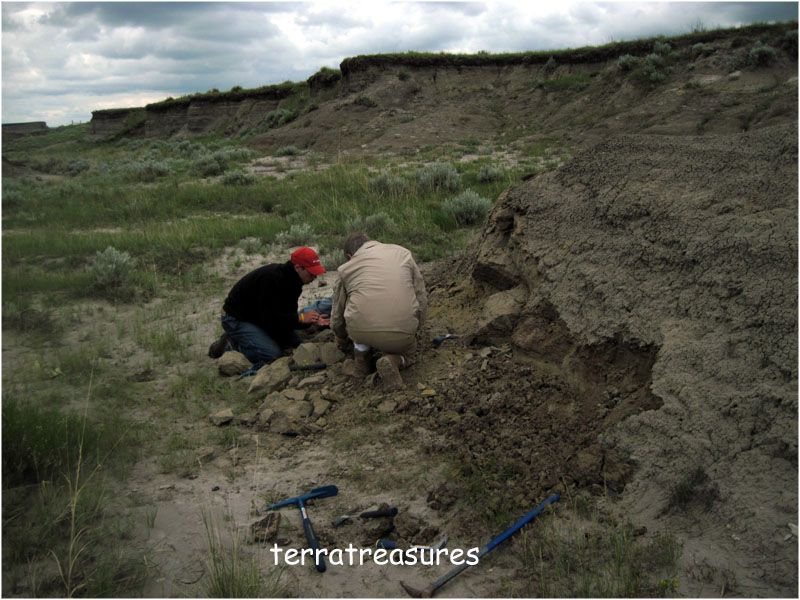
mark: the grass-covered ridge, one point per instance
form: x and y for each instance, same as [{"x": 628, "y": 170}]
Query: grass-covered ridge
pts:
[{"x": 586, "y": 54}]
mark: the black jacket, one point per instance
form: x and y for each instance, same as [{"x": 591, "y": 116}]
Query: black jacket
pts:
[{"x": 267, "y": 297}]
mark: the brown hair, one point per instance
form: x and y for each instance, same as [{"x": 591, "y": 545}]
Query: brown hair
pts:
[{"x": 354, "y": 242}]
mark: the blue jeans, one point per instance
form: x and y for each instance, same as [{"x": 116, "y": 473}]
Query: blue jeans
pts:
[{"x": 254, "y": 342}]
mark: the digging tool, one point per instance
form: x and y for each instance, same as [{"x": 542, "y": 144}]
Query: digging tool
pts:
[
  {"x": 429, "y": 591},
  {"x": 321, "y": 492}
]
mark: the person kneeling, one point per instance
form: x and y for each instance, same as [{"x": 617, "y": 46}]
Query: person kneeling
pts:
[{"x": 379, "y": 303}]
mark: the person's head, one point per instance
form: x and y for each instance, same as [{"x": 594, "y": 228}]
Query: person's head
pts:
[
  {"x": 306, "y": 263},
  {"x": 353, "y": 243}
]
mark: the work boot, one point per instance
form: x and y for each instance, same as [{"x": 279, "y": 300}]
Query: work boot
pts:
[
  {"x": 362, "y": 364},
  {"x": 218, "y": 348},
  {"x": 389, "y": 371}
]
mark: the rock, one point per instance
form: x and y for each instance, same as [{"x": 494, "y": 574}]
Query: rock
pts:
[
  {"x": 247, "y": 419},
  {"x": 501, "y": 311},
  {"x": 485, "y": 352},
  {"x": 271, "y": 377},
  {"x": 321, "y": 422},
  {"x": 387, "y": 406},
  {"x": 222, "y": 417},
  {"x": 735, "y": 75},
  {"x": 291, "y": 407},
  {"x": 320, "y": 407},
  {"x": 449, "y": 417},
  {"x": 266, "y": 529},
  {"x": 331, "y": 395},
  {"x": 442, "y": 497},
  {"x": 349, "y": 368},
  {"x": 294, "y": 394},
  {"x": 421, "y": 386},
  {"x": 205, "y": 454},
  {"x": 330, "y": 354},
  {"x": 313, "y": 380},
  {"x": 326, "y": 335},
  {"x": 426, "y": 535},
  {"x": 307, "y": 354},
  {"x": 264, "y": 417},
  {"x": 233, "y": 363},
  {"x": 407, "y": 525},
  {"x": 282, "y": 424},
  {"x": 428, "y": 393}
]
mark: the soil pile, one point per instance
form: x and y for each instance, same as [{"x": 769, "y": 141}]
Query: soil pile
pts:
[{"x": 683, "y": 249}]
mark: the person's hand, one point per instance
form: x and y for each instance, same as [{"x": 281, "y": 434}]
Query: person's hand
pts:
[
  {"x": 324, "y": 321},
  {"x": 309, "y": 317}
]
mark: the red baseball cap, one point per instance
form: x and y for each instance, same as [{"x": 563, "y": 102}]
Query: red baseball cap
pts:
[{"x": 308, "y": 259}]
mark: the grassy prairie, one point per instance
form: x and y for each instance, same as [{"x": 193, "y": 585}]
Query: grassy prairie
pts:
[{"x": 105, "y": 248}]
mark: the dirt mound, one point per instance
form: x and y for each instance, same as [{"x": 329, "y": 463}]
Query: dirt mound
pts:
[{"x": 681, "y": 252}]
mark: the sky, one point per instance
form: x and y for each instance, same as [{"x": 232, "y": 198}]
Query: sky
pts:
[{"x": 61, "y": 61}]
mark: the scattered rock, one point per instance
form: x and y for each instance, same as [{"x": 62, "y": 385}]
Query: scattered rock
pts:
[
  {"x": 222, "y": 417},
  {"x": 233, "y": 363},
  {"x": 247, "y": 419},
  {"x": 272, "y": 376},
  {"x": 266, "y": 529},
  {"x": 330, "y": 354},
  {"x": 205, "y": 454},
  {"x": 294, "y": 394},
  {"x": 421, "y": 386},
  {"x": 264, "y": 417},
  {"x": 387, "y": 406},
  {"x": 485, "y": 352},
  {"x": 307, "y": 354},
  {"x": 407, "y": 525},
  {"x": 735, "y": 75},
  {"x": 428, "y": 393},
  {"x": 442, "y": 497},
  {"x": 320, "y": 407},
  {"x": 322, "y": 422},
  {"x": 349, "y": 368},
  {"x": 330, "y": 395},
  {"x": 291, "y": 407},
  {"x": 215, "y": 488},
  {"x": 313, "y": 380}
]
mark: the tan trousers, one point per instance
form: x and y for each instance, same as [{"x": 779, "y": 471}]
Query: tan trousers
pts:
[{"x": 388, "y": 342}]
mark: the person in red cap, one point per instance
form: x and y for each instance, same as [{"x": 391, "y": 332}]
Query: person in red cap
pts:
[{"x": 260, "y": 313}]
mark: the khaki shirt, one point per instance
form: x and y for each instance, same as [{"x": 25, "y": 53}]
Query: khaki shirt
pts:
[{"x": 380, "y": 289}]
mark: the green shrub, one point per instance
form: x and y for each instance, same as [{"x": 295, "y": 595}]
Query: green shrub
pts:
[
  {"x": 112, "y": 272},
  {"x": 654, "y": 68},
  {"x": 550, "y": 66},
  {"x": 701, "y": 49},
  {"x": 333, "y": 259},
  {"x": 287, "y": 151},
  {"x": 210, "y": 165},
  {"x": 251, "y": 245},
  {"x": 467, "y": 208},
  {"x": 789, "y": 42},
  {"x": 761, "y": 55},
  {"x": 189, "y": 149},
  {"x": 439, "y": 176},
  {"x": 387, "y": 184},
  {"x": 147, "y": 171},
  {"x": 299, "y": 234},
  {"x": 77, "y": 167},
  {"x": 363, "y": 100},
  {"x": 662, "y": 48},
  {"x": 238, "y": 178},
  {"x": 372, "y": 225},
  {"x": 280, "y": 116},
  {"x": 489, "y": 173},
  {"x": 627, "y": 62}
]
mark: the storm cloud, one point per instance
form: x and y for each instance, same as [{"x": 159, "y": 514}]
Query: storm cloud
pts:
[{"x": 63, "y": 60}]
